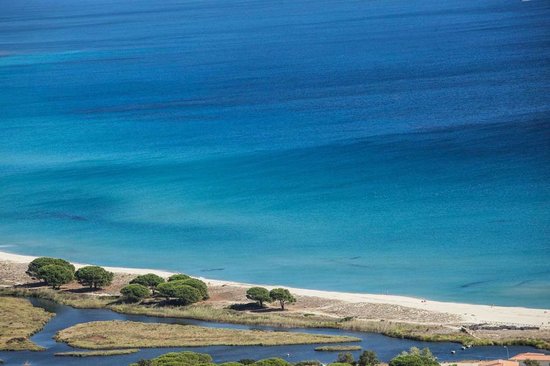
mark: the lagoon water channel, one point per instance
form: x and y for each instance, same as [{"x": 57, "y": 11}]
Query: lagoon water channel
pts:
[{"x": 385, "y": 347}]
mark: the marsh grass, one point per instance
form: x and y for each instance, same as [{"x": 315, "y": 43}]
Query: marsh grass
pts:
[
  {"x": 209, "y": 313},
  {"x": 428, "y": 333},
  {"x": 75, "y": 300},
  {"x": 125, "y": 334},
  {"x": 275, "y": 319},
  {"x": 111, "y": 352},
  {"x": 19, "y": 319},
  {"x": 337, "y": 348}
]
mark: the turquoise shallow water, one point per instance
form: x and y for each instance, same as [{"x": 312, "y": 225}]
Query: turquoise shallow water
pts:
[{"x": 381, "y": 146}]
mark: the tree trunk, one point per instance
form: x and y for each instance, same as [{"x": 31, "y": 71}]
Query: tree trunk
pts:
[
  {"x": 282, "y": 305},
  {"x": 261, "y": 304}
]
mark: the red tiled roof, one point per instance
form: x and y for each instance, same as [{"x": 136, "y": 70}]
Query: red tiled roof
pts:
[
  {"x": 499, "y": 363},
  {"x": 531, "y": 356}
]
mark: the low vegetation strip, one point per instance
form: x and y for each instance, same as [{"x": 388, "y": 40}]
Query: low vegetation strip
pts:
[
  {"x": 78, "y": 301},
  {"x": 337, "y": 348},
  {"x": 211, "y": 313},
  {"x": 126, "y": 334},
  {"x": 205, "y": 312},
  {"x": 111, "y": 352},
  {"x": 18, "y": 321}
]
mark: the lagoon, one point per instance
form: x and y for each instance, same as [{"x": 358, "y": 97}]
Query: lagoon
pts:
[{"x": 385, "y": 347}]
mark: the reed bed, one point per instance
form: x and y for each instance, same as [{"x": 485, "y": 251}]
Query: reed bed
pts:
[
  {"x": 111, "y": 352},
  {"x": 428, "y": 333},
  {"x": 125, "y": 334},
  {"x": 18, "y": 321},
  {"x": 337, "y": 348}
]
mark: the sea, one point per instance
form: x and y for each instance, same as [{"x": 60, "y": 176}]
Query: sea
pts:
[{"x": 378, "y": 146}]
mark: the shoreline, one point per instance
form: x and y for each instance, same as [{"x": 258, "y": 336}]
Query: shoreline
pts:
[{"x": 468, "y": 313}]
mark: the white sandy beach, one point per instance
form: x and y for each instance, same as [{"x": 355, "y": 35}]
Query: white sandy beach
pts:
[{"x": 469, "y": 313}]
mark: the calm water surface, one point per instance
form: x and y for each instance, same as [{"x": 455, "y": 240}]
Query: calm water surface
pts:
[{"x": 374, "y": 146}]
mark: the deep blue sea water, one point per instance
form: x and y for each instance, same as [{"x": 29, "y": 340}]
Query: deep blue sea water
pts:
[{"x": 383, "y": 146}]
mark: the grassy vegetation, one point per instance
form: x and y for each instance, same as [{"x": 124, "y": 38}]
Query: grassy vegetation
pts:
[
  {"x": 464, "y": 338},
  {"x": 296, "y": 320},
  {"x": 209, "y": 313},
  {"x": 533, "y": 342},
  {"x": 18, "y": 321},
  {"x": 126, "y": 334},
  {"x": 111, "y": 352},
  {"x": 284, "y": 320},
  {"x": 79, "y": 301},
  {"x": 275, "y": 319},
  {"x": 337, "y": 348}
]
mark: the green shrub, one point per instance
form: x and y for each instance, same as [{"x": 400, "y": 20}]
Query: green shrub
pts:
[
  {"x": 199, "y": 285},
  {"x": 415, "y": 357},
  {"x": 308, "y": 363},
  {"x": 339, "y": 364},
  {"x": 283, "y": 296},
  {"x": 247, "y": 361},
  {"x": 180, "y": 291},
  {"x": 272, "y": 362},
  {"x": 231, "y": 364},
  {"x": 368, "y": 358},
  {"x": 55, "y": 275},
  {"x": 345, "y": 357},
  {"x": 167, "y": 289},
  {"x": 185, "y": 358},
  {"x": 178, "y": 277},
  {"x": 143, "y": 362},
  {"x": 36, "y": 264},
  {"x": 94, "y": 276},
  {"x": 135, "y": 292},
  {"x": 149, "y": 280},
  {"x": 258, "y": 294}
]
